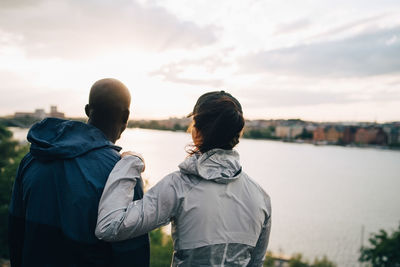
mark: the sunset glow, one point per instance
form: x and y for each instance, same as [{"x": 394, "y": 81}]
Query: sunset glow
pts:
[{"x": 314, "y": 60}]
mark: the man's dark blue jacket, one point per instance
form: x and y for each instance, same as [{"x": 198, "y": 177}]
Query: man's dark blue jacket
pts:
[{"x": 57, "y": 189}]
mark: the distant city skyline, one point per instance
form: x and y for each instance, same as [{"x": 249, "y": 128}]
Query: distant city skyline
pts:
[
  {"x": 40, "y": 113},
  {"x": 316, "y": 60}
]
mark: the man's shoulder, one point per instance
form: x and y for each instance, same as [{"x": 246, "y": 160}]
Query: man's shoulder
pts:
[
  {"x": 106, "y": 150},
  {"x": 102, "y": 156},
  {"x": 96, "y": 163}
]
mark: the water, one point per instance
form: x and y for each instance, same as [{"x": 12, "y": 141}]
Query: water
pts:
[{"x": 321, "y": 195}]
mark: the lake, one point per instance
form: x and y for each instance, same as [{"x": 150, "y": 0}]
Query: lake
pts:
[{"x": 321, "y": 196}]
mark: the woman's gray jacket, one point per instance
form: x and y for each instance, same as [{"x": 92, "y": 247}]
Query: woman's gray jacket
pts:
[{"x": 220, "y": 217}]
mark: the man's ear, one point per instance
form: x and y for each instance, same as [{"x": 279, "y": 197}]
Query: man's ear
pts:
[
  {"x": 87, "y": 110},
  {"x": 125, "y": 116}
]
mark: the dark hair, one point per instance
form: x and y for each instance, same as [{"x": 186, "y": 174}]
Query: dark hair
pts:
[{"x": 218, "y": 117}]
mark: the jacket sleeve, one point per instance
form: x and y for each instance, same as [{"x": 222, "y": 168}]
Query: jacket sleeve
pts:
[
  {"x": 119, "y": 217},
  {"x": 16, "y": 221},
  {"x": 258, "y": 254},
  {"x": 137, "y": 248}
]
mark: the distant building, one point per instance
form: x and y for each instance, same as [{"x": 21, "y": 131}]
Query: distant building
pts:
[
  {"x": 40, "y": 114},
  {"x": 319, "y": 134},
  {"x": 23, "y": 114},
  {"x": 261, "y": 124},
  {"x": 175, "y": 122},
  {"x": 362, "y": 136},
  {"x": 349, "y": 134},
  {"x": 266, "y": 123},
  {"x": 55, "y": 114},
  {"x": 330, "y": 134},
  {"x": 333, "y": 134},
  {"x": 378, "y": 136},
  {"x": 393, "y": 135},
  {"x": 288, "y": 132},
  {"x": 398, "y": 136},
  {"x": 310, "y": 128},
  {"x": 282, "y": 131},
  {"x": 296, "y": 131},
  {"x": 373, "y": 136}
]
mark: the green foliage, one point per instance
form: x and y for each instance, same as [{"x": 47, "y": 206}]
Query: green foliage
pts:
[
  {"x": 298, "y": 261},
  {"x": 324, "y": 262},
  {"x": 24, "y": 122},
  {"x": 153, "y": 124},
  {"x": 11, "y": 154},
  {"x": 305, "y": 135},
  {"x": 269, "y": 260},
  {"x": 263, "y": 133},
  {"x": 384, "y": 249},
  {"x": 156, "y": 125},
  {"x": 161, "y": 248},
  {"x": 179, "y": 127}
]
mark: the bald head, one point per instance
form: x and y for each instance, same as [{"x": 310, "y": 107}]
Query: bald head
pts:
[
  {"x": 108, "y": 107},
  {"x": 109, "y": 94}
]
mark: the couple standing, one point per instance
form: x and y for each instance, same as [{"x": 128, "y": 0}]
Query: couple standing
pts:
[{"x": 76, "y": 202}]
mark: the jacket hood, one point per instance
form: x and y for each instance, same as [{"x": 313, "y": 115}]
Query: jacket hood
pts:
[
  {"x": 62, "y": 139},
  {"x": 218, "y": 165}
]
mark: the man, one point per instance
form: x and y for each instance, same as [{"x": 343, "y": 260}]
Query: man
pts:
[{"x": 53, "y": 209}]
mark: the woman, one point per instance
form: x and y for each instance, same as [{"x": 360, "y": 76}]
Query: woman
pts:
[{"x": 220, "y": 217}]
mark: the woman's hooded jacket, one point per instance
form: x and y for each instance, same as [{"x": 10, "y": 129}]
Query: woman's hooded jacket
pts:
[{"x": 220, "y": 217}]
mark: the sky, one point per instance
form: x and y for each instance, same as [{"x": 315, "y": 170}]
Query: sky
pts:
[{"x": 317, "y": 60}]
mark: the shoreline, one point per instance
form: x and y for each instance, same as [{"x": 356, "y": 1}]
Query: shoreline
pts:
[{"x": 296, "y": 141}]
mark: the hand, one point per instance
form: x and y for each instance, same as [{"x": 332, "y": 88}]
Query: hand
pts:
[{"x": 135, "y": 154}]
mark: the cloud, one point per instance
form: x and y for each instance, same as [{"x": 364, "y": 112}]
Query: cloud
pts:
[
  {"x": 298, "y": 98},
  {"x": 18, "y": 95},
  {"x": 294, "y": 26},
  {"x": 177, "y": 72},
  {"x": 386, "y": 95},
  {"x": 18, "y": 3},
  {"x": 72, "y": 28},
  {"x": 349, "y": 26},
  {"x": 367, "y": 54},
  {"x": 303, "y": 98},
  {"x": 190, "y": 81}
]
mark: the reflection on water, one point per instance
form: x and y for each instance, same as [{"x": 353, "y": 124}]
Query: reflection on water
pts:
[
  {"x": 19, "y": 134},
  {"x": 321, "y": 196}
]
